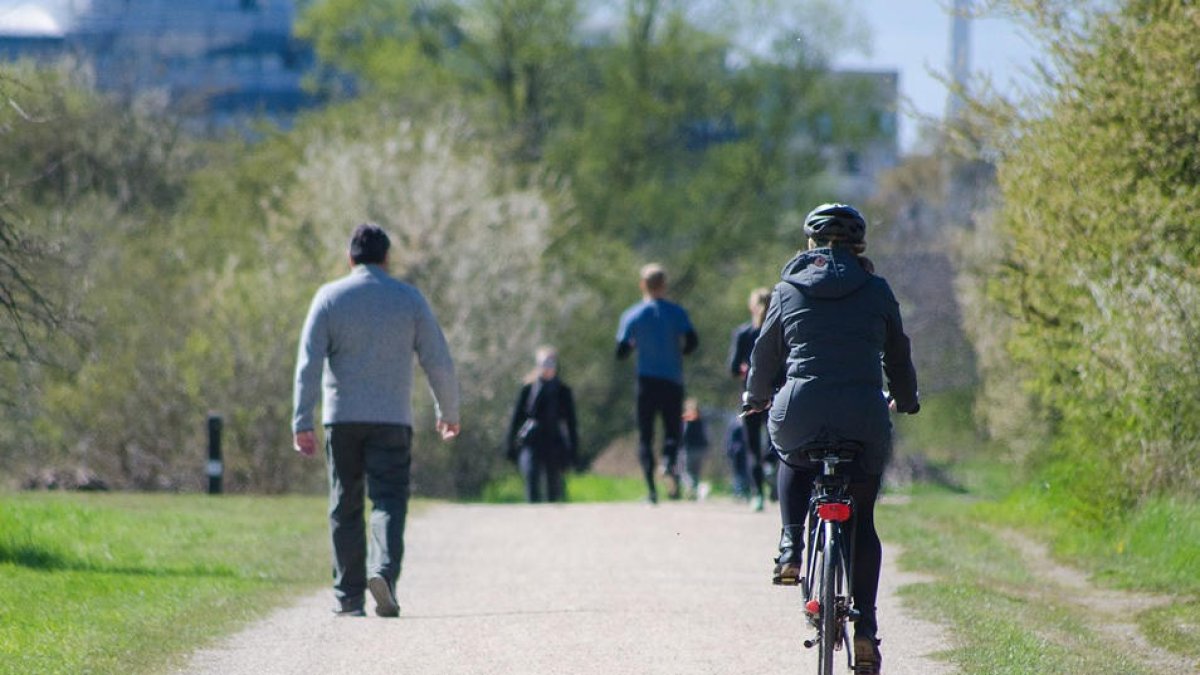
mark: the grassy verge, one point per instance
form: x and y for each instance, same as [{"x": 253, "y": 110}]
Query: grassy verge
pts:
[
  {"x": 1175, "y": 627},
  {"x": 982, "y": 590},
  {"x": 1154, "y": 548},
  {"x": 580, "y": 488},
  {"x": 129, "y": 582}
]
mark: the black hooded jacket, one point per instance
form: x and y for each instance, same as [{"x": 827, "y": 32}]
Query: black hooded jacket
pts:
[
  {"x": 830, "y": 322},
  {"x": 552, "y": 405}
]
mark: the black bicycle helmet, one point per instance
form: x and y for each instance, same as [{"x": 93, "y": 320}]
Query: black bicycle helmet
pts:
[{"x": 836, "y": 222}]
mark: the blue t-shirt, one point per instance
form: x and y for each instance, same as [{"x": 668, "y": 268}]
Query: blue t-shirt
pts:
[{"x": 656, "y": 327}]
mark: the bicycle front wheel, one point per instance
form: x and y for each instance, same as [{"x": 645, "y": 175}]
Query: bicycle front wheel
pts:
[{"x": 830, "y": 637}]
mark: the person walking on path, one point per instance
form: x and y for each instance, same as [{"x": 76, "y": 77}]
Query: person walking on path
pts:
[
  {"x": 695, "y": 448},
  {"x": 741, "y": 344},
  {"x": 735, "y": 452},
  {"x": 662, "y": 334},
  {"x": 830, "y": 321},
  {"x": 542, "y": 438},
  {"x": 357, "y": 346}
]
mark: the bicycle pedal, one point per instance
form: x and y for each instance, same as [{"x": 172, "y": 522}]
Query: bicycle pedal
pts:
[{"x": 786, "y": 581}]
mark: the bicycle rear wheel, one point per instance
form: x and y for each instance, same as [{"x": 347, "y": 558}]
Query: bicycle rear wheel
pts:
[{"x": 830, "y": 637}]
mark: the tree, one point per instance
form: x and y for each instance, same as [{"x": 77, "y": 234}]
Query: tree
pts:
[
  {"x": 657, "y": 135},
  {"x": 1101, "y": 181},
  {"x": 90, "y": 179},
  {"x": 29, "y": 307}
]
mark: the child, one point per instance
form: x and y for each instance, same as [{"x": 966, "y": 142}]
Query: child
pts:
[{"x": 695, "y": 447}]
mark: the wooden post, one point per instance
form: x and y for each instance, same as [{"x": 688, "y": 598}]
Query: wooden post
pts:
[{"x": 216, "y": 468}]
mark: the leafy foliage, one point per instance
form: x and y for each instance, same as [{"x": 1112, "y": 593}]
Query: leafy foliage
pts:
[
  {"x": 1099, "y": 263},
  {"x": 526, "y": 165}
]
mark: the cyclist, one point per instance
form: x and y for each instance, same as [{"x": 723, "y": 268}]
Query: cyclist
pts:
[{"x": 830, "y": 320}]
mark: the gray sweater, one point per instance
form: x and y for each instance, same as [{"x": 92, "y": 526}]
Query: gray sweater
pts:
[{"x": 358, "y": 342}]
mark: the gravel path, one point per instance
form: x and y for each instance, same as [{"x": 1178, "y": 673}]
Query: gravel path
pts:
[{"x": 581, "y": 588}]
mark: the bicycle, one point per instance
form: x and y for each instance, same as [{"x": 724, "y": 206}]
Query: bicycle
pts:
[{"x": 829, "y": 566}]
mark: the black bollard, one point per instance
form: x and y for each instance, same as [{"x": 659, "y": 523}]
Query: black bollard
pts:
[{"x": 216, "y": 468}]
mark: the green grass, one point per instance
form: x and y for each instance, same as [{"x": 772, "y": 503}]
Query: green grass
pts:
[
  {"x": 1155, "y": 547},
  {"x": 1175, "y": 627},
  {"x": 945, "y": 429},
  {"x": 983, "y": 592},
  {"x": 580, "y": 488},
  {"x": 118, "y": 583}
]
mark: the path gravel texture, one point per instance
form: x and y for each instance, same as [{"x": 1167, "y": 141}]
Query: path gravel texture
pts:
[{"x": 578, "y": 588}]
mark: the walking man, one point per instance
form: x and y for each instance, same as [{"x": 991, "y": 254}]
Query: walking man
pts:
[
  {"x": 357, "y": 346},
  {"x": 662, "y": 334}
]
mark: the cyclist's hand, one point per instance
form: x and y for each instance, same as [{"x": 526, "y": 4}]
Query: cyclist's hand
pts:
[
  {"x": 891, "y": 404},
  {"x": 448, "y": 430},
  {"x": 751, "y": 407},
  {"x": 305, "y": 442}
]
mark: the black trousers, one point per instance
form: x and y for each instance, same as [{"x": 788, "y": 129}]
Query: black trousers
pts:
[
  {"x": 795, "y": 489},
  {"x": 367, "y": 460},
  {"x": 753, "y": 427},
  {"x": 659, "y": 398},
  {"x": 538, "y": 466}
]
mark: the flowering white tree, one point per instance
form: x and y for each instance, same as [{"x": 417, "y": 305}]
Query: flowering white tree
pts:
[{"x": 463, "y": 232}]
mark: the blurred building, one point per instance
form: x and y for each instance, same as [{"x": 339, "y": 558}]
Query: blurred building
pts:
[
  {"x": 215, "y": 62},
  {"x": 870, "y": 138}
]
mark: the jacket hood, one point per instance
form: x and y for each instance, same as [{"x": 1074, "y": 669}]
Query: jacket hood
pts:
[{"x": 825, "y": 272}]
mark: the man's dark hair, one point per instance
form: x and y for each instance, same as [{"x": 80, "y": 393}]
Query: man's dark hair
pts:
[{"x": 369, "y": 245}]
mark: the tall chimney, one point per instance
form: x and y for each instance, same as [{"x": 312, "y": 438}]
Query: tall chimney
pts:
[{"x": 960, "y": 58}]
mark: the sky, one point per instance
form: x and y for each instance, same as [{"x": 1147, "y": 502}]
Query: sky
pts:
[
  {"x": 913, "y": 37},
  {"x": 909, "y": 36},
  {"x": 35, "y": 16}
]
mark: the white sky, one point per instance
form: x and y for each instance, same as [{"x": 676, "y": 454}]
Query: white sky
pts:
[{"x": 30, "y": 16}]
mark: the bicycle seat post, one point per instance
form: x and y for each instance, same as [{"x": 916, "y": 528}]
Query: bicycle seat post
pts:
[{"x": 830, "y": 461}]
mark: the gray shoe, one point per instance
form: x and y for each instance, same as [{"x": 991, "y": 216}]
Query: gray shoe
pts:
[{"x": 385, "y": 597}]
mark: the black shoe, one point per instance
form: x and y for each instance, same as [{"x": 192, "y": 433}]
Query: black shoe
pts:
[
  {"x": 789, "y": 566},
  {"x": 867, "y": 659},
  {"x": 787, "y": 574},
  {"x": 348, "y": 610},
  {"x": 385, "y": 597}
]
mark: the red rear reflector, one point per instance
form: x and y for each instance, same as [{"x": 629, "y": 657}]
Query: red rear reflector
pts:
[
  {"x": 812, "y": 607},
  {"x": 835, "y": 511}
]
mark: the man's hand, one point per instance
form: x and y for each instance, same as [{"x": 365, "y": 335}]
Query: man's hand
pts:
[
  {"x": 305, "y": 442},
  {"x": 448, "y": 430}
]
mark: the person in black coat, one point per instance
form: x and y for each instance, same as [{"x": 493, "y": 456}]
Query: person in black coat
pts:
[
  {"x": 832, "y": 321},
  {"x": 740, "y": 346},
  {"x": 542, "y": 437}
]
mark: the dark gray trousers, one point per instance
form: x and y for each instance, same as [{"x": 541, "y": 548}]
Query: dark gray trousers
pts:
[{"x": 377, "y": 458}]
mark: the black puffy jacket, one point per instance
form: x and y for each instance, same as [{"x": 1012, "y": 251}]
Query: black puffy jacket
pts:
[{"x": 831, "y": 322}]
